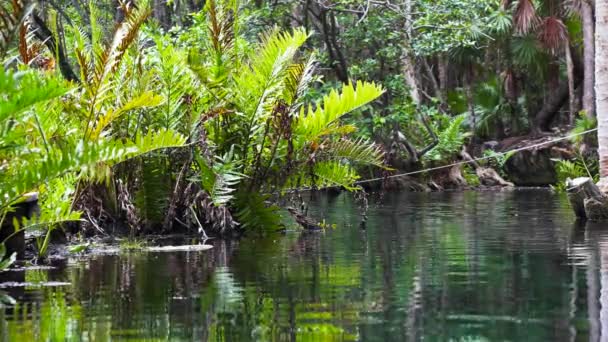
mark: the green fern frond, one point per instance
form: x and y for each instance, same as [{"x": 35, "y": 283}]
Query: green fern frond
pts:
[
  {"x": 219, "y": 180},
  {"x": 55, "y": 204},
  {"x": 325, "y": 174},
  {"x": 334, "y": 173},
  {"x": 359, "y": 151},
  {"x": 451, "y": 140},
  {"x": 144, "y": 100},
  {"x": 254, "y": 213},
  {"x": 314, "y": 123},
  {"x": 29, "y": 174},
  {"x": 261, "y": 84},
  {"x": 582, "y": 124},
  {"x": 298, "y": 81},
  {"x": 22, "y": 90}
]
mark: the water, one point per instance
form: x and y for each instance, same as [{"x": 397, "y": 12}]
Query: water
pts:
[{"x": 485, "y": 266}]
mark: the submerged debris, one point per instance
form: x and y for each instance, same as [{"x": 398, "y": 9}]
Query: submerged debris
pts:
[{"x": 184, "y": 248}]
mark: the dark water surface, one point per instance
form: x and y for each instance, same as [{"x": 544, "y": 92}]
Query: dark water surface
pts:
[{"x": 474, "y": 266}]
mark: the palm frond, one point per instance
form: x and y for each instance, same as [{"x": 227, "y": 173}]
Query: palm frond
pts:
[
  {"x": 525, "y": 17},
  {"x": 109, "y": 60},
  {"x": 552, "y": 34},
  {"x": 262, "y": 82}
]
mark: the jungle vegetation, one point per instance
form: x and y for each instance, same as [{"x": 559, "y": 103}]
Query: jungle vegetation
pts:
[{"x": 163, "y": 116}]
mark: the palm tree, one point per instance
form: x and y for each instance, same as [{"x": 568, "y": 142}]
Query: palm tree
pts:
[
  {"x": 601, "y": 88},
  {"x": 589, "y": 52}
]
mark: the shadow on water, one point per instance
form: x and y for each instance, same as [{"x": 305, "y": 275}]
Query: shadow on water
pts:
[{"x": 509, "y": 266}]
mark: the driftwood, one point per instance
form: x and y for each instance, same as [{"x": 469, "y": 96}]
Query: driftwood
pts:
[
  {"x": 487, "y": 175},
  {"x": 586, "y": 199}
]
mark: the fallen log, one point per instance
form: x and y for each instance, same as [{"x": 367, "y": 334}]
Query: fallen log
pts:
[{"x": 586, "y": 199}]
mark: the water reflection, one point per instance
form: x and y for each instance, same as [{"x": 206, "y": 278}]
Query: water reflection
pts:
[{"x": 453, "y": 266}]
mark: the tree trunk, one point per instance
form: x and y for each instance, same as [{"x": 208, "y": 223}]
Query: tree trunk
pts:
[
  {"x": 408, "y": 60},
  {"x": 601, "y": 86},
  {"x": 409, "y": 72},
  {"x": 551, "y": 107},
  {"x": 442, "y": 65},
  {"x": 586, "y": 199},
  {"x": 468, "y": 89},
  {"x": 589, "y": 57},
  {"x": 571, "y": 88},
  {"x": 161, "y": 13}
]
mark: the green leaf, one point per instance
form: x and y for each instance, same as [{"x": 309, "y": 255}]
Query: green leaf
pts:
[{"x": 314, "y": 123}]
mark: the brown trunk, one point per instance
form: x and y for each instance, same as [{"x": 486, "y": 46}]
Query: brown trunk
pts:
[
  {"x": 571, "y": 89},
  {"x": 161, "y": 13},
  {"x": 435, "y": 84},
  {"x": 468, "y": 89},
  {"x": 589, "y": 58},
  {"x": 552, "y": 105},
  {"x": 442, "y": 65},
  {"x": 594, "y": 202}
]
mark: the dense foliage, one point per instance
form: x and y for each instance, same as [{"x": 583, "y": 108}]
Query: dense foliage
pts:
[
  {"x": 172, "y": 131},
  {"x": 198, "y": 114}
]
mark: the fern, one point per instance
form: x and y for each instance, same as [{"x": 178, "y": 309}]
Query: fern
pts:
[
  {"x": 12, "y": 15},
  {"x": 579, "y": 167},
  {"x": 451, "y": 140},
  {"x": 357, "y": 151},
  {"x": 262, "y": 83},
  {"x": 582, "y": 124},
  {"x": 28, "y": 174},
  {"x": 315, "y": 123},
  {"x": 323, "y": 175},
  {"x": 20, "y": 91},
  {"x": 254, "y": 213},
  {"x": 220, "y": 179}
]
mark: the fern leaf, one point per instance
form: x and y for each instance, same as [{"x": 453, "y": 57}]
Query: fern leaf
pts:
[
  {"x": 254, "y": 213},
  {"x": 22, "y": 90},
  {"x": 358, "y": 151},
  {"x": 325, "y": 174},
  {"x": 314, "y": 123}
]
